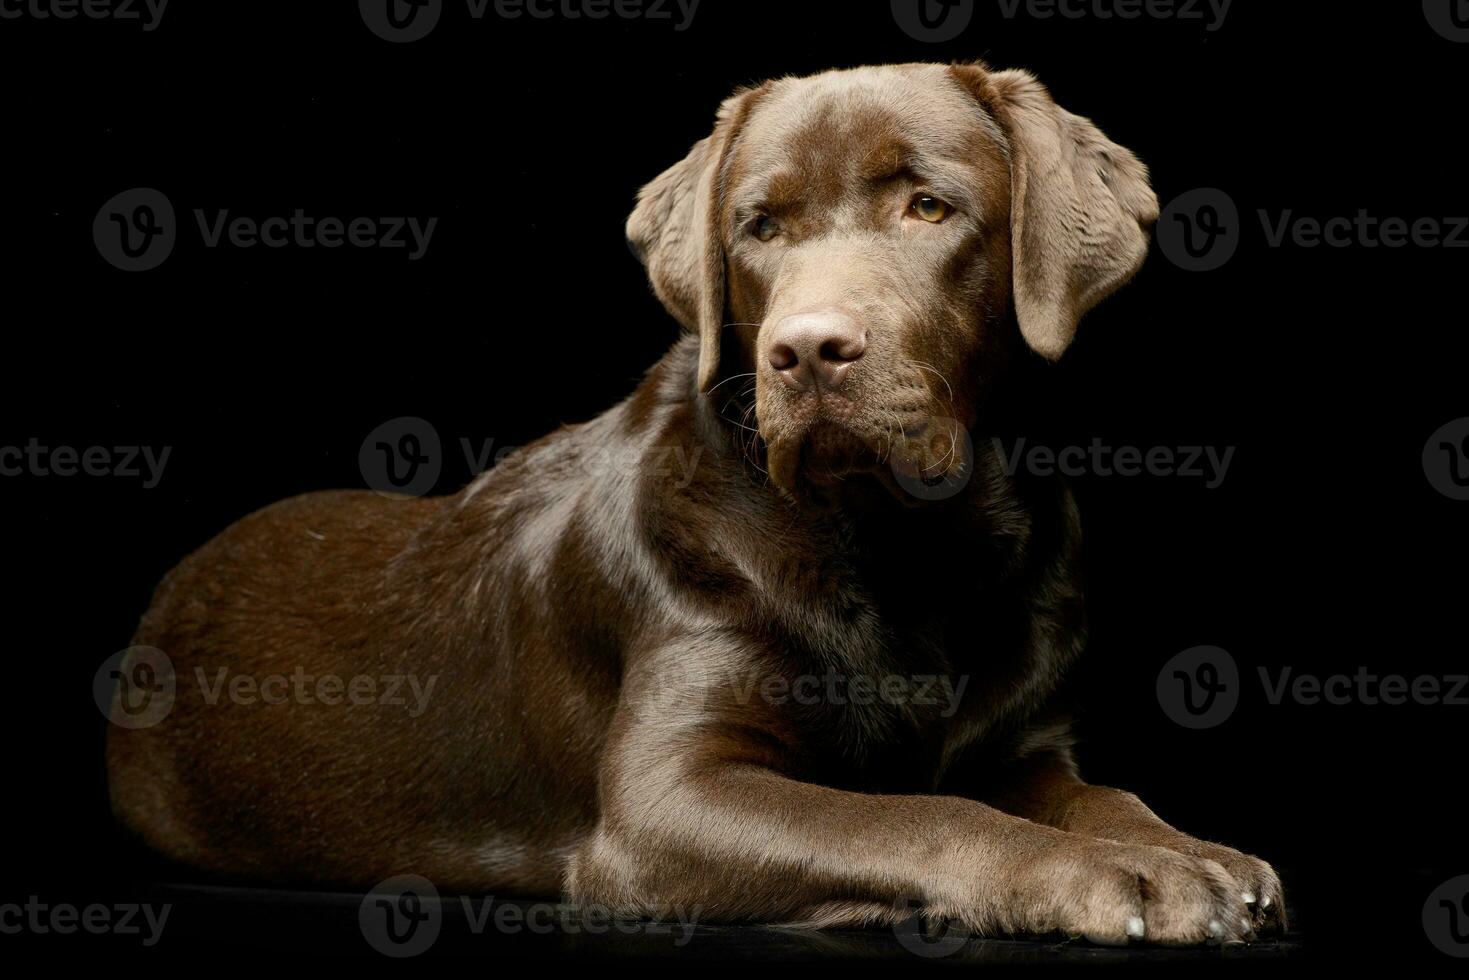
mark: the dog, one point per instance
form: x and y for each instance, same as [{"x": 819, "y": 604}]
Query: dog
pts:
[{"x": 815, "y": 682}]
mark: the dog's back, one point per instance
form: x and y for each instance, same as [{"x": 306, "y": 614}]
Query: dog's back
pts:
[{"x": 352, "y": 684}]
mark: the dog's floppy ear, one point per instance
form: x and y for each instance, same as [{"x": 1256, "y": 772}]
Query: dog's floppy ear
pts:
[
  {"x": 1081, "y": 207},
  {"x": 675, "y": 231}
]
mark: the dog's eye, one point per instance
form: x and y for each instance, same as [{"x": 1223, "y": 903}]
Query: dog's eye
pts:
[
  {"x": 765, "y": 228},
  {"x": 930, "y": 208}
]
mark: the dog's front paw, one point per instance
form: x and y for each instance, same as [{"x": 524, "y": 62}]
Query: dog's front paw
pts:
[
  {"x": 1115, "y": 893},
  {"x": 1259, "y": 885}
]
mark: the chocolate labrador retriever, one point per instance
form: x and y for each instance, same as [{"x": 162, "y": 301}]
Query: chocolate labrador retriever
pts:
[{"x": 813, "y": 679}]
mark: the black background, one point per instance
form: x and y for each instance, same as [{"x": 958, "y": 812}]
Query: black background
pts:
[{"x": 1325, "y": 549}]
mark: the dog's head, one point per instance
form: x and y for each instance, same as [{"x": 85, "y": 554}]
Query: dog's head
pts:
[{"x": 857, "y": 242}]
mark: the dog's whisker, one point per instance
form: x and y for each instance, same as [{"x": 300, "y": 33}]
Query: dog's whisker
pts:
[
  {"x": 925, "y": 366},
  {"x": 749, "y": 445},
  {"x": 736, "y": 397},
  {"x": 732, "y": 377}
]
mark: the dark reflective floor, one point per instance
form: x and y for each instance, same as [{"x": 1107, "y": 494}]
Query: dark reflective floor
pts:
[{"x": 219, "y": 918}]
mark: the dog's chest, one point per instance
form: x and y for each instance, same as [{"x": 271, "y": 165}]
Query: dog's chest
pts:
[
  {"x": 917, "y": 640},
  {"x": 890, "y": 698}
]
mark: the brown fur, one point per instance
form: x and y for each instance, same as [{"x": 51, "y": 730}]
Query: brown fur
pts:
[{"x": 597, "y": 630}]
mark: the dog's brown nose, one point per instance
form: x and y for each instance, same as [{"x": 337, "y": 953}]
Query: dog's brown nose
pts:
[{"x": 816, "y": 349}]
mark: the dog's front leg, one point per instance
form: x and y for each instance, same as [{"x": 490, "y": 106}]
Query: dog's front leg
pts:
[
  {"x": 1046, "y": 789},
  {"x": 703, "y": 812}
]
